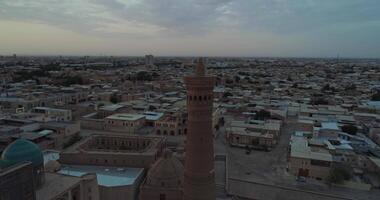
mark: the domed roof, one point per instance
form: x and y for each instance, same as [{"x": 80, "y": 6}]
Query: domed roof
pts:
[
  {"x": 168, "y": 171},
  {"x": 23, "y": 150}
]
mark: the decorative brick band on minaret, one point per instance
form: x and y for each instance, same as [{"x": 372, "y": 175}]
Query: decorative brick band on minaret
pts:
[{"x": 199, "y": 181}]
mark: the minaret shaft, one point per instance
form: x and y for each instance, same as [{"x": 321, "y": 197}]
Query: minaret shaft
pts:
[{"x": 199, "y": 162}]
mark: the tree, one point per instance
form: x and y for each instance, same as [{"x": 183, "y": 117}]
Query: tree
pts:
[
  {"x": 350, "y": 129},
  {"x": 75, "y": 138},
  {"x": 262, "y": 115},
  {"x": 114, "y": 98},
  {"x": 143, "y": 76},
  {"x": 71, "y": 80},
  {"x": 221, "y": 121},
  {"x": 229, "y": 81},
  {"x": 350, "y": 87},
  {"x": 326, "y": 87},
  {"x": 151, "y": 108},
  {"x": 320, "y": 101},
  {"x": 227, "y": 94},
  {"x": 338, "y": 175},
  {"x": 376, "y": 96}
]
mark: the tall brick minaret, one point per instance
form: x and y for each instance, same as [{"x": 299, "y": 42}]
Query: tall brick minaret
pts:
[{"x": 199, "y": 181}]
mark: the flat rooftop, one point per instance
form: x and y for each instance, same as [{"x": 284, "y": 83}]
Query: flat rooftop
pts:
[
  {"x": 55, "y": 184},
  {"x": 125, "y": 117},
  {"x": 106, "y": 176},
  {"x": 300, "y": 149},
  {"x": 153, "y": 116},
  {"x": 50, "y": 109},
  {"x": 246, "y": 132},
  {"x": 151, "y": 148}
]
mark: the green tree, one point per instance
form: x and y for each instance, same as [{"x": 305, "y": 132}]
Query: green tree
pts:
[
  {"x": 229, "y": 81},
  {"x": 71, "y": 80},
  {"x": 114, "y": 98},
  {"x": 338, "y": 175},
  {"x": 350, "y": 129},
  {"x": 376, "y": 97},
  {"x": 320, "y": 101},
  {"x": 74, "y": 139},
  {"x": 262, "y": 115},
  {"x": 326, "y": 87},
  {"x": 227, "y": 94},
  {"x": 143, "y": 76},
  {"x": 221, "y": 121}
]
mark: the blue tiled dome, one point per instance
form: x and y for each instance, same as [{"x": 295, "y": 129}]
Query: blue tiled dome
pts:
[{"x": 23, "y": 150}]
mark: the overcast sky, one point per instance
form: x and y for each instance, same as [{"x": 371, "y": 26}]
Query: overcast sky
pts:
[{"x": 298, "y": 28}]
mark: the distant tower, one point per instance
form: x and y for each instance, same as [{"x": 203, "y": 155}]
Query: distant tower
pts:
[
  {"x": 199, "y": 162},
  {"x": 149, "y": 60}
]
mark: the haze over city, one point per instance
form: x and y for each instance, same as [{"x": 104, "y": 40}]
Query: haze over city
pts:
[
  {"x": 189, "y": 100},
  {"x": 294, "y": 28}
]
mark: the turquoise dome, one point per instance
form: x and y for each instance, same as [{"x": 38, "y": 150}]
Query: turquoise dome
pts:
[{"x": 23, "y": 150}]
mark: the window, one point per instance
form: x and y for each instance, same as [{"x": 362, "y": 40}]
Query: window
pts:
[{"x": 320, "y": 163}]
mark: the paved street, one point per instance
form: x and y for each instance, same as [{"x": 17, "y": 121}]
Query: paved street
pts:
[
  {"x": 260, "y": 165},
  {"x": 269, "y": 168}
]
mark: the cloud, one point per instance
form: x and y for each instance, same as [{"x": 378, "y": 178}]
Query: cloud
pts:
[
  {"x": 314, "y": 22},
  {"x": 190, "y": 17}
]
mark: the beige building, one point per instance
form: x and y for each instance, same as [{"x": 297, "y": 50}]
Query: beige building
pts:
[
  {"x": 307, "y": 160},
  {"x": 65, "y": 187},
  {"x": 240, "y": 136},
  {"x": 263, "y": 134},
  {"x": 53, "y": 114},
  {"x": 123, "y": 122},
  {"x": 114, "y": 150},
  {"x": 171, "y": 124}
]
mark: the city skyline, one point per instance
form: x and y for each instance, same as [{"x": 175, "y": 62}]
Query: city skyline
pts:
[{"x": 276, "y": 28}]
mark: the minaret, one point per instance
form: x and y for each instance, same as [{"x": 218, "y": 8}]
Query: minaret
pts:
[{"x": 199, "y": 179}]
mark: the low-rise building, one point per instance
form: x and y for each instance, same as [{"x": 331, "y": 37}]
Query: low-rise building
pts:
[
  {"x": 124, "y": 122},
  {"x": 308, "y": 160},
  {"x": 263, "y": 134},
  {"x": 114, "y": 150},
  {"x": 171, "y": 124},
  {"x": 53, "y": 114}
]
